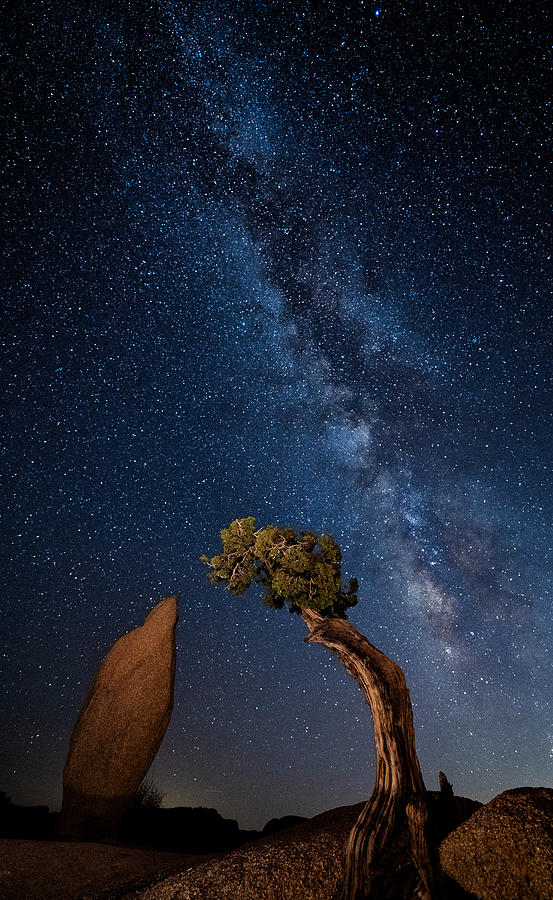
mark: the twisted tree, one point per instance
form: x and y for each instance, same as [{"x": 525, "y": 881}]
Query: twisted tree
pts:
[{"x": 388, "y": 853}]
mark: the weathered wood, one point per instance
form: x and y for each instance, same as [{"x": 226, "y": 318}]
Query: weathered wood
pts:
[{"x": 387, "y": 852}]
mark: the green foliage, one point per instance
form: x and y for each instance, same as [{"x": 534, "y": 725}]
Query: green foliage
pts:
[{"x": 300, "y": 569}]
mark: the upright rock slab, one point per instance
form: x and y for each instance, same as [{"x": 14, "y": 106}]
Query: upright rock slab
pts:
[{"x": 120, "y": 727}]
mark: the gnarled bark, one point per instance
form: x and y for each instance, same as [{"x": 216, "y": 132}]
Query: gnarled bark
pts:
[{"x": 387, "y": 852}]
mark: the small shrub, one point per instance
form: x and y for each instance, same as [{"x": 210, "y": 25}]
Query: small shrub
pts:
[{"x": 147, "y": 796}]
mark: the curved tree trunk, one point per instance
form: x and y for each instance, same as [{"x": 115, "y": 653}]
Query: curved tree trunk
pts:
[{"x": 387, "y": 852}]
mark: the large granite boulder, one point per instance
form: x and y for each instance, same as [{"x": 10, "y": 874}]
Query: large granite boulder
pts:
[
  {"x": 305, "y": 862},
  {"x": 505, "y": 850},
  {"x": 120, "y": 727}
]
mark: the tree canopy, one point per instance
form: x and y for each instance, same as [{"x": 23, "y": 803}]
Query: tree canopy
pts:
[{"x": 300, "y": 569}]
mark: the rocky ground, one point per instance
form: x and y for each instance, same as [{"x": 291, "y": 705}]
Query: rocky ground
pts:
[
  {"x": 55, "y": 870},
  {"x": 502, "y": 851},
  {"x": 304, "y": 862}
]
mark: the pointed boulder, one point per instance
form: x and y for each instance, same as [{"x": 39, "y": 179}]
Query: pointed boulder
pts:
[{"x": 120, "y": 727}]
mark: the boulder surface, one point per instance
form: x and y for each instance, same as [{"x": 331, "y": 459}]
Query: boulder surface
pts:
[
  {"x": 305, "y": 862},
  {"x": 120, "y": 727},
  {"x": 505, "y": 850}
]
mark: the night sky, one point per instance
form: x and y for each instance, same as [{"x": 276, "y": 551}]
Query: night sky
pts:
[{"x": 293, "y": 261}]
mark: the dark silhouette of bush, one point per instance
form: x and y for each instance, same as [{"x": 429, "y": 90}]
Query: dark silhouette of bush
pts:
[
  {"x": 183, "y": 829},
  {"x": 147, "y": 796},
  {"x": 25, "y": 822},
  {"x": 274, "y": 825}
]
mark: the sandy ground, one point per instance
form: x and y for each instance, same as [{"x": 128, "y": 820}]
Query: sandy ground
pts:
[{"x": 48, "y": 870}]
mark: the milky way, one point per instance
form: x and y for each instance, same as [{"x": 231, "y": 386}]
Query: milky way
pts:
[{"x": 265, "y": 259}]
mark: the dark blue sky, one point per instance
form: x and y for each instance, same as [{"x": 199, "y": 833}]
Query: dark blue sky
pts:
[{"x": 290, "y": 261}]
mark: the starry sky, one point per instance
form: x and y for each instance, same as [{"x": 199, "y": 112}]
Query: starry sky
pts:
[{"x": 289, "y": 260}]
